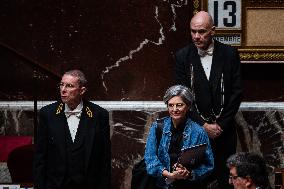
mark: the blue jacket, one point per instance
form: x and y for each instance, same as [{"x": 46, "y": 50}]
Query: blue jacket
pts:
[{"x": 193, "y": 133}]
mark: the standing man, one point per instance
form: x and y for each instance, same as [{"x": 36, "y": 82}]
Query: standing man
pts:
[
  {"x": 212, "y": 71},
  {"x": 248, "y": 171},
  {"x": 73, "y": 140}
]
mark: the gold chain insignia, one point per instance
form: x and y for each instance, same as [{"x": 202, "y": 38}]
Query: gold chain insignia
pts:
[
  {"x": 89, "y": 112},
  {"x": 59, "y": 109}
]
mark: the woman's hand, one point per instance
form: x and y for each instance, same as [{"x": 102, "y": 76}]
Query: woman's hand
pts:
[
  {"x": 179, "y": 173},
  {"x": 182, "y": 172}
]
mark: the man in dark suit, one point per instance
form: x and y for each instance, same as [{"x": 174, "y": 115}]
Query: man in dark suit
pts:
[
  {"x": 212, "y": 71},
  {"x": 73, "y": 140}
]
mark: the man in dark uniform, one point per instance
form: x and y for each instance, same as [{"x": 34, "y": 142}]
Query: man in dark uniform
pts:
[
  {"x": 212, "y": 71},
  {"x": 73, "y": 140}
]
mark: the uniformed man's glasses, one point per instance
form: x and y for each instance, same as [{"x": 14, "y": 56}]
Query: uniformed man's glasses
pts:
[{"x": 67, "y": 86}]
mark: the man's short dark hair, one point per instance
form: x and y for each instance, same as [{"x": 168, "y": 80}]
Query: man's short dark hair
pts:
[
  {"x": 80, "y": 75},
  {"x": 250, "y": 165}
]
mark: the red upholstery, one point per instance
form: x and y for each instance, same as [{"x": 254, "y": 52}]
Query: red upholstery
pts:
[
  {"x": 9, "y": 143},
  {"x": 20, "y": 164}
]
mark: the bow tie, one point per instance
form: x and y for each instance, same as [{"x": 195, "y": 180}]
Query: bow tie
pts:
[
  {"x": 203, "y": 53},
  {"x": 75, "y": 113}
]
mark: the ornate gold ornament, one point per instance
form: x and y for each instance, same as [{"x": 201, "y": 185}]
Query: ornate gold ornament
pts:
[
  {"x": 89, "y": 112},
  {"x": 59, "y": 109}
]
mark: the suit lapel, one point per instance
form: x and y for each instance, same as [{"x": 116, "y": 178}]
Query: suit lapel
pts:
[
  {"x": 60, "y": 127},
  {"x": 217, "y": 67},
  {"x": 90, "y": 122},
  {"x": 81, "y": 131},
  {"x": 200, "y": 76},
  {"x": 200, "y": 81},
  {"x": 201, "y": 86}
]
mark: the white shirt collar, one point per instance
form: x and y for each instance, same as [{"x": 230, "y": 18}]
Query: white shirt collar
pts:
[
  {"x": 77, "y": 109},
  {"x": 208, "y": 51}
]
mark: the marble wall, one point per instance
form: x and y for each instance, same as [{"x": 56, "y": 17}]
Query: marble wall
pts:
[
  {"x": 260, "y": 129},
  {"x": 124, "y": 47}
]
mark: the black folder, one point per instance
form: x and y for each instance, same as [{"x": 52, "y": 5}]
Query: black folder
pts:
[
  {"x": 193, "y": 155},
  {"x": 190, "y": 157}
]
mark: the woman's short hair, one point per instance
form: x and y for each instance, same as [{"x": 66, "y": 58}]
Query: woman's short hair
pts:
[
  {"x": 80, "y": 75},
  {"x": 179, "y": 90}
]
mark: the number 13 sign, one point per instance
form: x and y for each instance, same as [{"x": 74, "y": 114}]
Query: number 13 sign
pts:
[{"x": 226, "y": 14}]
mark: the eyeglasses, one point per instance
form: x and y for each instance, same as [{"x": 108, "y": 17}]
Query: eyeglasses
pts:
[
  {"x": 231, "y": 177},
  {"x": 67, "y": 86},
  {"x": 177, "y": 105}
]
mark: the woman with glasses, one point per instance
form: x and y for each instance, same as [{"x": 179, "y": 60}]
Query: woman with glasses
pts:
[{"x": 178, "y": 132}]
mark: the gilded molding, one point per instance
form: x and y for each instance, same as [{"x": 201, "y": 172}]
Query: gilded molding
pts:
[
  {"x": 266, "y": 1},
  {"x": 277, "y": 56},
  {"x": 196, "y": 6}
]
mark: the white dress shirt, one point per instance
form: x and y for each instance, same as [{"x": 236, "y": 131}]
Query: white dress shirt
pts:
[
  {"x": 73, "y": 118},
  {"x": 206, "y": 59}
]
